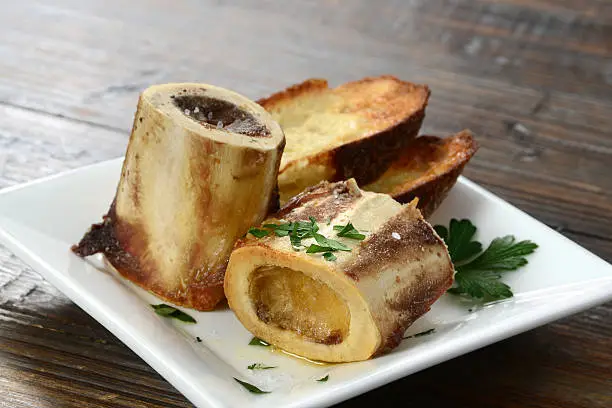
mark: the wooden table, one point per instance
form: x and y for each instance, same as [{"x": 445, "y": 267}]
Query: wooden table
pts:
[{"x": 533, "y": 79}]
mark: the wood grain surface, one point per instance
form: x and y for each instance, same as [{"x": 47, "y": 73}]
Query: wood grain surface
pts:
[{"x": 533, "y": 79}]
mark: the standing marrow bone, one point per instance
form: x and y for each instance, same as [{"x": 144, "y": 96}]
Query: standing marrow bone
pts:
[{"x": 201, "y": 167}]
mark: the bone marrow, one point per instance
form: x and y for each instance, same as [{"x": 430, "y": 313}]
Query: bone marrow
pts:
[
  {"x": 350, "y": 308},
  {"x": 220, "y": 114},
  {"x": 200, "y": 168},
  {"x": 292, "y": 300}
]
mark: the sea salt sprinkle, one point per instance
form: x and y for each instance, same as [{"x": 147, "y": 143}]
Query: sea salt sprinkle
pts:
[
  {"x": 396, "y": 235},
  {"x": 196, "y": 110},
  {"x": 187, "y": 112},
  {"x": 209, "y": 115},
  {"x": 219, "y": 125}
]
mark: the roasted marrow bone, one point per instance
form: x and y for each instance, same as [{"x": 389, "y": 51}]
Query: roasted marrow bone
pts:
[
  {"x": 353, "y": 130},
  {"x": 201, "y": 167},
  {"x": 344, "y": 310},
  {"x": 426, "y": 169}
]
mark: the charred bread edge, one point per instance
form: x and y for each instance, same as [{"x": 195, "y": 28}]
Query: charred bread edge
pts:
[{"x": 432, "y": 190}]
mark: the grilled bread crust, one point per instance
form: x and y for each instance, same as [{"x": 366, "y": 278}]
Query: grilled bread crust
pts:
[{"x": 426, "y": 169}]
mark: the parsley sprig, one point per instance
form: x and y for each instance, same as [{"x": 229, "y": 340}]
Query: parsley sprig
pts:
[
  {"x": 301, "y": 230},
  {"x": 479, "y": 272}
]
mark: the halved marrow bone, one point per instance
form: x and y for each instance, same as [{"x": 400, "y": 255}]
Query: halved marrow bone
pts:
[
  {"x": 201, "y": 167},
  {"x": 344, "y": 310}
]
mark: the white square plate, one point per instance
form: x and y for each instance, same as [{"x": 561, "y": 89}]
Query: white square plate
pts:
[{"x": 40, "y": 220}]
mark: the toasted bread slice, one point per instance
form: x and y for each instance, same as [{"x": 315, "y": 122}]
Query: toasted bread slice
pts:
[
  {"x": 427, "y": 168},
  {"x": 354, "y": 130}
]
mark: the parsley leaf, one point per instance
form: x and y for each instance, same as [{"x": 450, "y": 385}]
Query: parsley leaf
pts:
[
  {"x": 458, "y": 238},
  {"x": 324, "y": 379},
  {"x": 348, "y": 231},
  {"x": 481, "y": 285},
  {"x": 250, "y": 387},
  {"x": 169, "y": 311},
  {"x": 503, "y": 254},
  {"x": 479, "y": 273},
  {"x": 260, "y": 366},
  {"x": 256, "y": 341},
  {"x": 329, "y": 256}
]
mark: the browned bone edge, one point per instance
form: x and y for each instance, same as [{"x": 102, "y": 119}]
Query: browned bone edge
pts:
[
  {"x": 367, "y": 158},
  {"x": 102, "y": 238},
  {"x": 437, "y": 163}
]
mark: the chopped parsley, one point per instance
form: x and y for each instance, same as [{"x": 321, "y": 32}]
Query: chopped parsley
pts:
[
  {"x": 169, "y": 311},
  {"x": 256, "y": 341},
  {"x": 300, "y": 230},
  {"x": 260, "y": 366},
  {"x": 479, "y": 272},
  {"x": 423, "y": 333},
  {"x": 258, "y": 232},
  {"x": 330, "y": 243},
  {"x": 324, "y": 379},
  {"x": 348, "y": 231},
  {"x": 296, "y": 238},
  {"x": 250, "y": 387},
  {"x": 329, "y": 256}
]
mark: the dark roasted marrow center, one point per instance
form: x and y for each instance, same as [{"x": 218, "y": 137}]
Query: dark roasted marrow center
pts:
[
  {"x": 290, "y": 300},
  {"x": 220, "y": 114}
]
